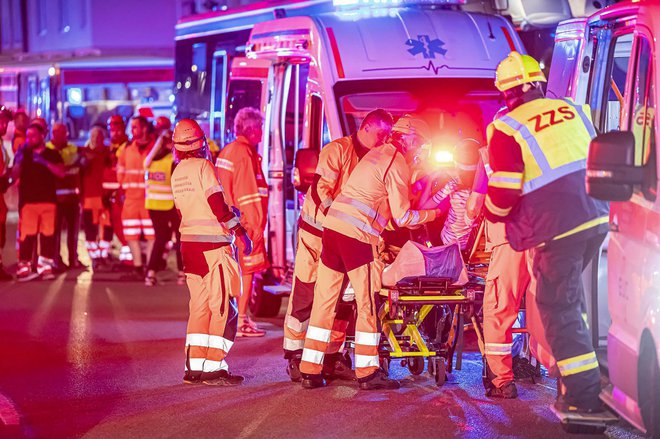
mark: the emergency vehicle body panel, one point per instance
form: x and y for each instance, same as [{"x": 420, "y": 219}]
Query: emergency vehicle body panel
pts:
[
  {"x": 330, "y": 70},
  {"x": 612, "y": 65}
]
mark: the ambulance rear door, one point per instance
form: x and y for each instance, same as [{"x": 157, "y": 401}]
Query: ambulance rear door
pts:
[{"x": 571, "y": 61}]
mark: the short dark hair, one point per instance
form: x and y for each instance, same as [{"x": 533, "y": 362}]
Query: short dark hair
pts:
[
  {"x": 37, "y": 127},
  {"x": 379, "y": 116},
  {"x": 143, "y": 121}
]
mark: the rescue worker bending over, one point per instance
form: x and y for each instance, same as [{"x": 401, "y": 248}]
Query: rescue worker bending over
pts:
[
  {"x": 376, "y": 192},
  {"x": 538, "y": 156},
  {"x": 239, "y": 171},
  {"x": 336, "y": 162},
  {"x": 212, "y": 274}
]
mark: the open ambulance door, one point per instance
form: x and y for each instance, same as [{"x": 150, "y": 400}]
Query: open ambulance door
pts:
[
  {"x": 283, "y": 135},
  {"x": 571, "y": 61}
]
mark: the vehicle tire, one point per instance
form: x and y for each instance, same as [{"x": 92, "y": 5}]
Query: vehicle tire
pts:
[
  {"x": 649, "y": 386},
  {"x": 262, "y": 303},
  {"x": 416, "y": 365},
  {"x": 440, "y": 372}
]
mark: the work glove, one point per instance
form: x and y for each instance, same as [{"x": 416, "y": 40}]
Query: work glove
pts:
[{"x": 244, "y": 243}]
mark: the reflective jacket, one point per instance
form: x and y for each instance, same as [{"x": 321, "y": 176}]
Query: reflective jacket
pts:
[
  {"x": 538, "y": 156},
  {"x": 336, "y": 163},
  {"x": 239, "y": 172},
  {"x": 68, "y": 187},
  {"x": 130, "y": 170},
  {"x": 193, "y": 182},
  {"x": 159, "y": 189},
  {"x": 110, "y": 182},
  {"x": 376, "y": 192}
]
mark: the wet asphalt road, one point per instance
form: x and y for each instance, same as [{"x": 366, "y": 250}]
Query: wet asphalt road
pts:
[{"x": 87, "y": 356}]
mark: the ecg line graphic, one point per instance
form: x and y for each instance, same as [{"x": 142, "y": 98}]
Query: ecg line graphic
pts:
[{"x": 429, "y": 67}]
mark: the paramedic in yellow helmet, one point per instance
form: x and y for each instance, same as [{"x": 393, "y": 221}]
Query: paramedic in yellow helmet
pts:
[
  {"x": 208, "y": 227},
  {"x": 376, "y": 192},
  {"x": 537, "y": 152}
]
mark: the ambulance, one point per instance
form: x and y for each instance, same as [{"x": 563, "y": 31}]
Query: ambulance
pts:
[
  {"x": 315, "y": 77},
  {"x": 609, "y": 61}
]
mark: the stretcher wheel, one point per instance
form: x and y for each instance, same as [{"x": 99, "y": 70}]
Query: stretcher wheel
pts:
[
  {"x": 384, "y": 364},
  {"x": 416, "y": 365},
  {"x": 440, "y": 372},
  {"x": 430, "y": 368}
]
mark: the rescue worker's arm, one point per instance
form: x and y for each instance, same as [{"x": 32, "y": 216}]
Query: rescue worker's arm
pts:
[
  {"x": 505, "y": 184},
  {"x": 326, "y": 177},
  {"x": 397, "y": 184},
  {"x": 478, "y": 195},
  {"x": 248, "y": 198},
  {"x": 440, "y": 200},
  {"x": 121, "y": 167},
  {"x": 58, "y": 169},
  {"x": 224, "y": 214}
]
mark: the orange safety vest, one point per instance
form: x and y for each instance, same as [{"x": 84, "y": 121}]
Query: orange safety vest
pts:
[{"x": 130, "y": 171}]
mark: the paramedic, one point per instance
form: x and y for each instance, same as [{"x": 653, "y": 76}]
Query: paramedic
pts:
[
  {"x": 376, "y": 192},
  {"x": 336, "y": 162},
  {"x": 208, "y": 227},
  {"x": 241, "y": 176},
  {"x": 537, "y": 153}
]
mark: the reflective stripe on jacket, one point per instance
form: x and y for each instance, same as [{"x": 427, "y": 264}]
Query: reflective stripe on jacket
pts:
[
  {"x": 159, "y": 188},
  {"x": 544, "y": 197},
  {"x": 376, "y": 192},
  {"x": 336, "y": 163},
  {"x": 244, "y": 184},
  {"x": 193, "y": 182}
]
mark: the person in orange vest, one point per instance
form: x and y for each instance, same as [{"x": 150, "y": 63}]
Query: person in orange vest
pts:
[
  {"x": 160, "y": 202},
  {"x": 130, "y": 174},
  {"x": 208, "y": 228},
  {"x": 68, "y": 197},
  {"x": 96, "y": 157},
  {"x": 37, "y": 169},
  {"x": 239, "y": 171},
  {"x": 112, "y": 191},
  {"x": 21, "y": 122},
  {"x": 5, "y": 117},
  {"x": 336, "y": 163},
  {"x": 376, "y": 193}
]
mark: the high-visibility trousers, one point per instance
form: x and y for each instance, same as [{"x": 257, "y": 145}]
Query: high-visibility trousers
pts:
[
  {"x": 506, "y": 284},
  {"x": 302, "y": 297},
  {"x": 538, "y": 342},
  {"x": 557, "y": 268},
  {"x": 213, "y": 320},
  {"x": 135, "y": 220},
  {"x": 344, "y": 259}
]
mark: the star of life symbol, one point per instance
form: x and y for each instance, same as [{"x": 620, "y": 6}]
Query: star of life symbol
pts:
[{"x": 426, "y": 46}]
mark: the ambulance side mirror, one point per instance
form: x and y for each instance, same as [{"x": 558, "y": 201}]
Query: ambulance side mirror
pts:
[
  {"x": 611, "y": 170},
  {"x": 305, "y": 168}
]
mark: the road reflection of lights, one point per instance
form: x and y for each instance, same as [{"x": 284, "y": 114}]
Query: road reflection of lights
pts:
[
  {"x": 42, "y": 314},
  {"x": 79, "y": 344}
]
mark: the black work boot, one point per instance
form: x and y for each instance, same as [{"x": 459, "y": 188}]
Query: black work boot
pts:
[
  {"x": 507, "y": 390},
  {"x": 378, "y": 381},
  {"x": 191, "y": 377},
  {"x": 221, "y": 378},
  {"x": 338, "y": 367},
  {"x": 312, "y": 381},
  {"x": 293, "y": 369}
]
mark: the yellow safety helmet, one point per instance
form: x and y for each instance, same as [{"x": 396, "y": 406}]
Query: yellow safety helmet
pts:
[
  {"x": 408, "y": 124},
  {"x": 188, "y": 135},
  {"x": 517, "y": 69}
]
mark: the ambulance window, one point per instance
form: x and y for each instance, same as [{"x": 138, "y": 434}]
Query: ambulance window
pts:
[
  {"x": 609, "y": 113},
  {"x": 294, "y": 115},
  {"x": 642, "y": 117},
  {"x": 242, "y": 93}
]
